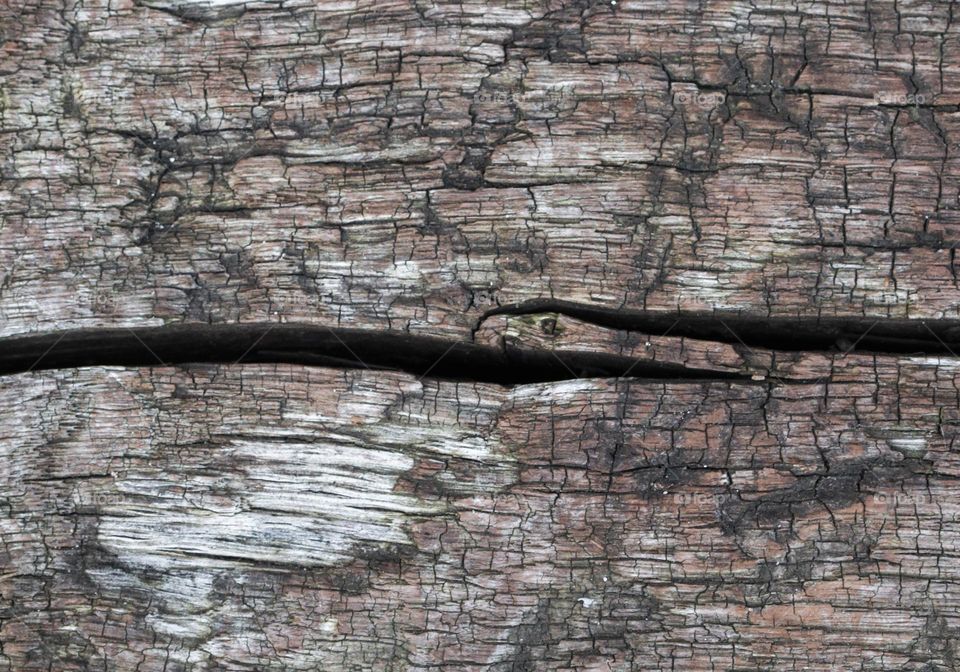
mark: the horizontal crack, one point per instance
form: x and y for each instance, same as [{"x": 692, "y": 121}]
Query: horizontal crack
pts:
[
  {"x": 865, "y": 334},
  {"x": 322, "y": 346},
  {"x": 465, "y": 360}
]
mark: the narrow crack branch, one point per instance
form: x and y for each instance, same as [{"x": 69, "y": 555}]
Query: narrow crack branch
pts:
[{"x": 867, "y": 334}]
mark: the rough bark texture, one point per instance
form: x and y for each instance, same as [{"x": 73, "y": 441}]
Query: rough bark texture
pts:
[{"x": 722, "y": 232}]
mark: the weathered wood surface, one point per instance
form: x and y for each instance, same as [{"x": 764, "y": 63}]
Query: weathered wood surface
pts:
[
  {"x": 407, "y": 168},
  {"x": 408, "y": 165},
  {"x": 286, "y": 517}
]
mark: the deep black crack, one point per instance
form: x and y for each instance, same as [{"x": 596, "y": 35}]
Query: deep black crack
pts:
[
  {"x": 466, "y": 360},
  {"x": 322, "y": 346}
]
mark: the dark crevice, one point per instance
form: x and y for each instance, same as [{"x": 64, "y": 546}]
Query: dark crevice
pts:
[
  {"x": 801, "y": 334},
  {"x": 321, "y": 346},
  {"x": 196, "y": 12},
  {"x": 465, "y": 360}
]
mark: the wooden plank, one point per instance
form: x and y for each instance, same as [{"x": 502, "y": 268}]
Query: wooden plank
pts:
[
  {"x": 610, "y": 335},
  {"x": 408, "y": 166},
  {"x": 287, "y": 517}
]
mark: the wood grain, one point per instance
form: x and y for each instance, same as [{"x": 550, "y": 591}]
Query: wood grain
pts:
[
  {"x": 533, "y": 181},
  {"x": 283, "y": 517},
  {"x": 401, "y": 165}
]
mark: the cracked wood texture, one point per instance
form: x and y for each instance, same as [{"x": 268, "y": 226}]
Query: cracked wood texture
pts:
[
  {"x": 406, "y": 167},
  {"x": 293, "y": 518}
]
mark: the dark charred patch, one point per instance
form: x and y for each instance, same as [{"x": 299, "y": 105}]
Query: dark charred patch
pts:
[{"x": 468, "y": 174}]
